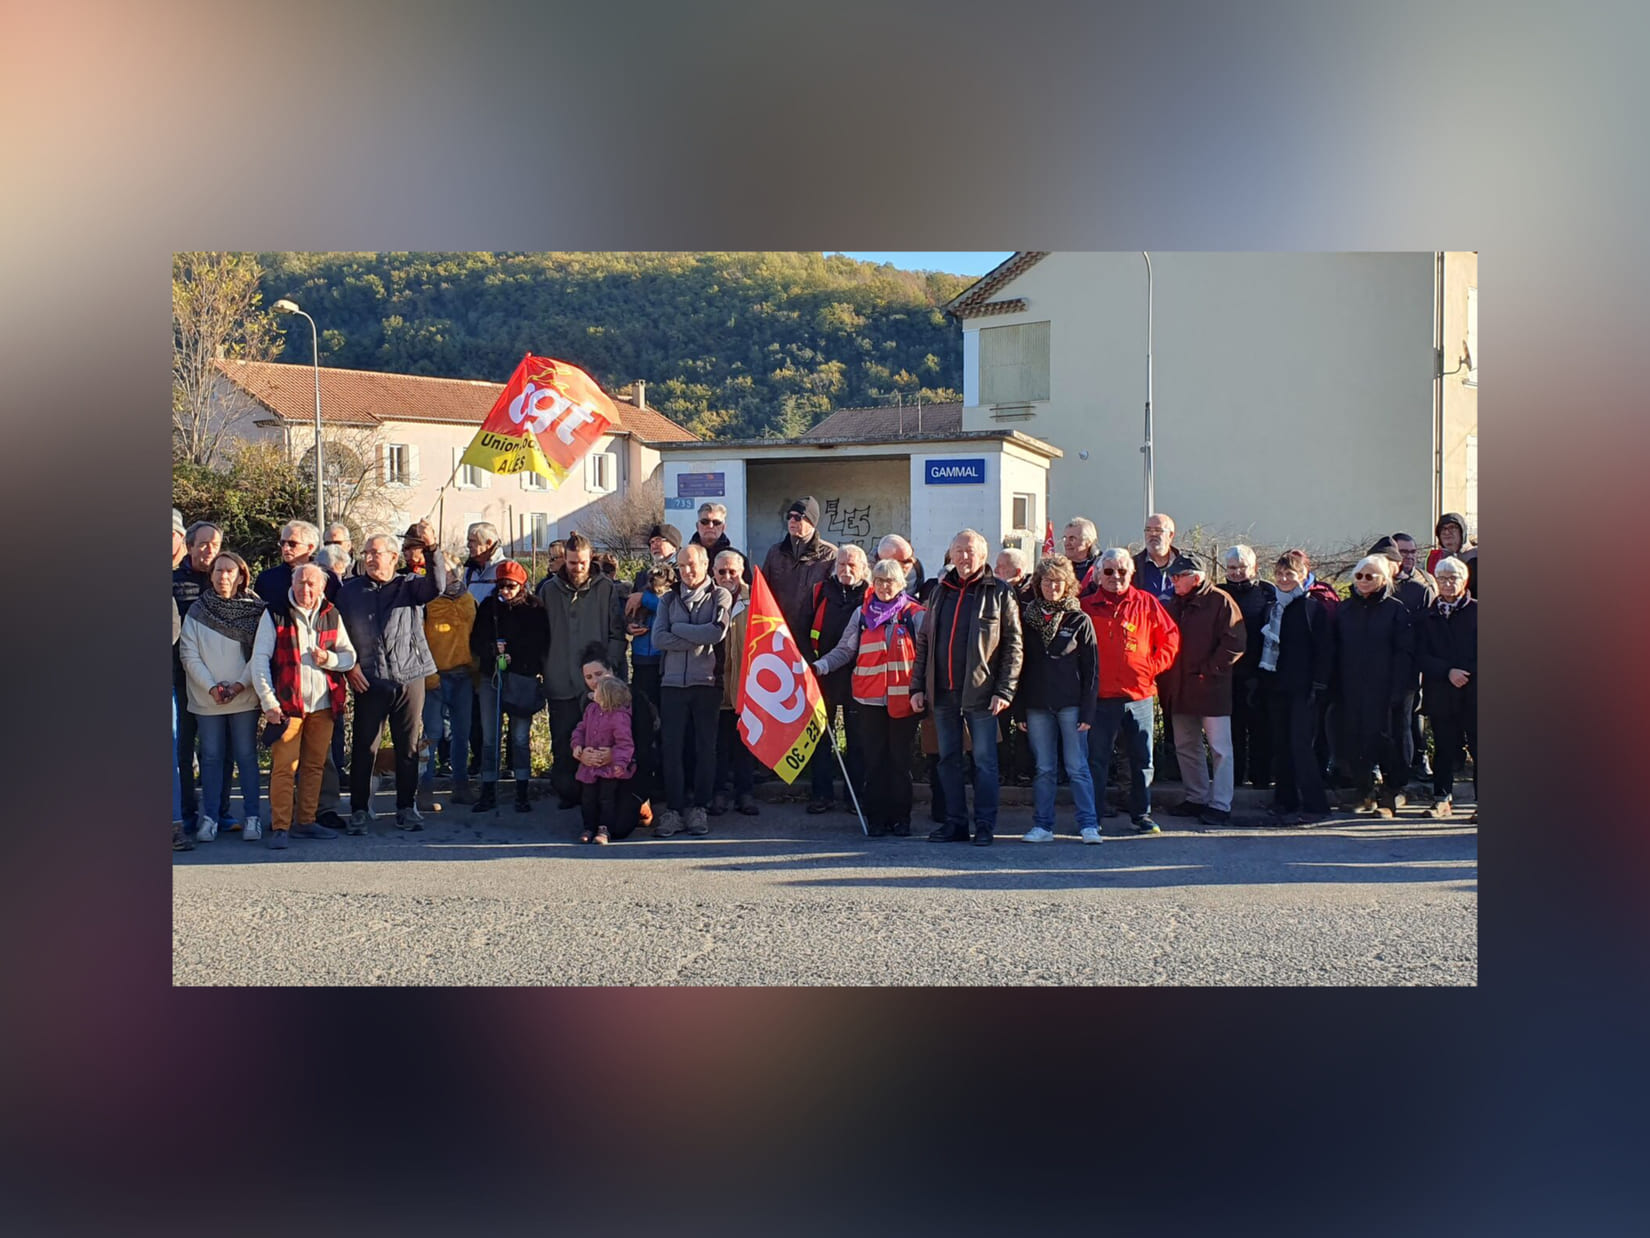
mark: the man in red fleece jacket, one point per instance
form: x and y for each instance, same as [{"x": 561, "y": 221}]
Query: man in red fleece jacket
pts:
[{"x": 1137, "y": 642}]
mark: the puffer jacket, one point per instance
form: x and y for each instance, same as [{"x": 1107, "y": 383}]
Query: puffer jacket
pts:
[
  {"x": 688, "y": 631},
  {"x": 386, "y": 623},
  {"x": 1212, "y": 640},
  {"x": 982, "y": 614},
  {"x": 792, "y": 574}
]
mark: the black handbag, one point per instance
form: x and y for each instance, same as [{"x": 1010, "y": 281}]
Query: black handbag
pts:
[{"x": 521, "y": 695}]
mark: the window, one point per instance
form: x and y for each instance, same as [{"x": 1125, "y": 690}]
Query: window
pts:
[
  {"x": 1472, "y": 338},
  {"x": 1014, "y": 364},
  {"x": 468, "y": 476},
  {"x": 541, "y": 530},
  {"x": 601, "y": 472},
  {"x": 400, "y": 464},
  {"x": 1025, "y": 512},
  {"x": 532, "y": 481}
]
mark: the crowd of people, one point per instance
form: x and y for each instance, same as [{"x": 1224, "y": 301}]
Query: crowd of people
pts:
[{"x": 1055, "y": 667}]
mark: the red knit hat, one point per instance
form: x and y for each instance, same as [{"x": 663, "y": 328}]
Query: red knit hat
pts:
[{"x": 511, "y": 570}]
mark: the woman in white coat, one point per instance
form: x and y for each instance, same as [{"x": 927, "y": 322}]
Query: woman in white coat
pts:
[{"x": 216, "y": 650}]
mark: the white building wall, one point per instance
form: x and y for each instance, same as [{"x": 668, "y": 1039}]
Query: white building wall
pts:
[
  {"x": 939, "y": 511},
  {"x": 682, "y": 510},
  {"x": 1293, "y": 392}
]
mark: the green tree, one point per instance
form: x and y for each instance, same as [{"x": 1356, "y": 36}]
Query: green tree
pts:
[{"x": 217, "y": 314}]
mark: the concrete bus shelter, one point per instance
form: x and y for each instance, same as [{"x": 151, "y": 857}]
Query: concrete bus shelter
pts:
[{"x": 922, "y": 487}]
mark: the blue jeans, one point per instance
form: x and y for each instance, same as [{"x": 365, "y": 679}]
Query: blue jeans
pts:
[
  {"x": 982, "y": 728},
  {"x": 1047, "y": 728},
  {"x": 1135, "y": 719},
  {"x": 451, "y": 701},
  {"x": 225, "y": 737},
  {"x": 521, "y": 730}
]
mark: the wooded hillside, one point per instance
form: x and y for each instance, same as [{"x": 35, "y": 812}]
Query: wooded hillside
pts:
[{"x": 729, "y": 344}]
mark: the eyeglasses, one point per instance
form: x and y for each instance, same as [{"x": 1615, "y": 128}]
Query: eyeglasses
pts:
[
  {"x": 1367, "y": 576},
  {"x": 508, "y": 586},
  {"x": 714, "y": 524},
  {"x": 1114, "y": 571},
  {"x": 790, "y": 516},
  {"x": 295, "y": 543}
]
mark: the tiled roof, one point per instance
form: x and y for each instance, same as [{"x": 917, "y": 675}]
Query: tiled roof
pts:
[
  {"x": 368, "y": 397},
  {"x": 888, "y": 421},
  {"x": 975, "y": 300}
]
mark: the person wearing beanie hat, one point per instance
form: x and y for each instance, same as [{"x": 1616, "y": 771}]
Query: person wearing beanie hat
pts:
[
  {"x": 1196, "y": 690},
  {"x": 796, "y": 563}
]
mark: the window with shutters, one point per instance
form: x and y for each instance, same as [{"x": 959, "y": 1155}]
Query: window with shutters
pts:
[
  {"x": 541, "y": 530},
  {"x": 601, "y": 472},
  {"x": 398, "y": 469},
  {"x": 532, "y": 481},
  {"x": 1014, "y": 364}
]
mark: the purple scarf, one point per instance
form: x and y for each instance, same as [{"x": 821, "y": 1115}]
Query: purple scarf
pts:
[{"x": 878, "y": 612}]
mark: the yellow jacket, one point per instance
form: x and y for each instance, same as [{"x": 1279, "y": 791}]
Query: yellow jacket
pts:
[{"x": 447, "y": 624}]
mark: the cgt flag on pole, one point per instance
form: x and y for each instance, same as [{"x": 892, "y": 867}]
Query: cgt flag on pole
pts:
[
  {"x": 1048, "y": 540},
  {"x": 781, "y": 711},
  {"x": 547, "y": 417}
]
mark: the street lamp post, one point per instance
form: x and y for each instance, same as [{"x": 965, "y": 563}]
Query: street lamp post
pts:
[
  {"x": 283, "y": 306},
  {"x": 1151, "y": 472}
]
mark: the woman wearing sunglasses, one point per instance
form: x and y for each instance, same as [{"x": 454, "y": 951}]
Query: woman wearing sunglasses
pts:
[{"x": 1375, "y": 666}]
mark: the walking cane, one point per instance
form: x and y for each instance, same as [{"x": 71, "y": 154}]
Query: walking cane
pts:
[
  {"x": 498, "y": 727},
  {"x": 848, "y": 782}
]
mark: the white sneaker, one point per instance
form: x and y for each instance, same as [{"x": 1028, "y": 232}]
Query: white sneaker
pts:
[
  {"x": 1090, "y": 833},
  {"x": 250, "y": 832},
  {"x": 207, "y": 831},
  {"x": 1037, "y": 834}
]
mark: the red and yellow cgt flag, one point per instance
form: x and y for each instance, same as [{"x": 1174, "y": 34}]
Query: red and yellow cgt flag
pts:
[
  {"x": 547, "y": 417},
  {"x": 781, "y": 711}
]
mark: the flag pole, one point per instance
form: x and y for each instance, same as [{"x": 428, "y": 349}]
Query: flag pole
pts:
[{"x": 848, "y": 782}]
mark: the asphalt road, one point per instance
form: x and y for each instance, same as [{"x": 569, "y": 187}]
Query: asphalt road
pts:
[{"x": 791, "y": 899}]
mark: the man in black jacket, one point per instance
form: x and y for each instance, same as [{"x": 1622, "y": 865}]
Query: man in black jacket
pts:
[
  {"x": 299, "y": 541},
  {"x": 1251, "y": 686},
  {"x": 1416, "y": 589},
  {"x": 712, "y": 534},
  {"x": 966, "y": 670}
]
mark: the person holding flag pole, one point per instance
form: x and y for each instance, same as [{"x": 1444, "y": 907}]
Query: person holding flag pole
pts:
[{"x": 781, "y": 709}]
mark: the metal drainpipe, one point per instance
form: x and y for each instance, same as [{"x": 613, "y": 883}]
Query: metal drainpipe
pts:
[{"x": 1438, "y": 400}]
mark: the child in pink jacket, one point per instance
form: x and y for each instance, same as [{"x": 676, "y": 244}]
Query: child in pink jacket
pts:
[{"x": 604, "y": 729}]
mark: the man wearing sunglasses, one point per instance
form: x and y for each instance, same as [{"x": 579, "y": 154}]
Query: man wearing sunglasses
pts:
[
  {"x": 1137, "y": 642},
  {"x": 712, "y": 534},
  {"x": 299, "y": 540}
]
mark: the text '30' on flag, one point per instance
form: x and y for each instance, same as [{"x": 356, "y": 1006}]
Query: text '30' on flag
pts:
[
  {"x": 781, "y": 710},
  {"x": 549, "y": 415}
]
